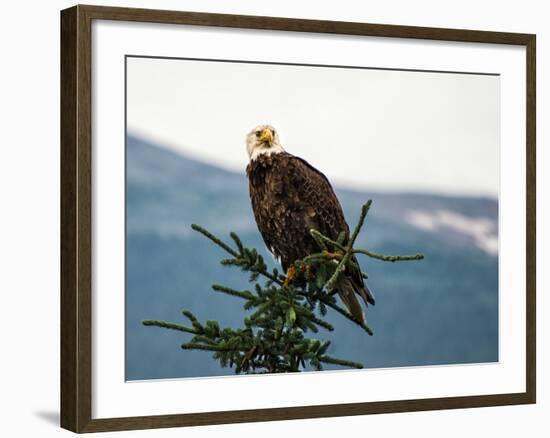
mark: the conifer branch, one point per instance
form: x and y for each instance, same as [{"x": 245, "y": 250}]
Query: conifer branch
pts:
[
  {"x": 347, "y": 315},
  {"x": 247, "y": 259},
  {"x": 169, "y": 325},
  {"x": 191, "y": 317},
  {"x": 281, "y": 313},
  {"x": 199, "y": 346},
  {"x": 214, "y": 239},
  {"x": 322, "y": 323},
  {"x": 247, "y": 295},
  {"x": 388, "y": 258},
  {"x": 364, "y": 211},
  {"x": 321, "y": 238},
  {"x": 349, "y": 248},
  {"x": 341, "y": 362}
]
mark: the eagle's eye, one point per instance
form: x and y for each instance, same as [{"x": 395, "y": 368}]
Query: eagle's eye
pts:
[
  {"x": 273, "y": 132},
  {"x": 258, "y": 133}
]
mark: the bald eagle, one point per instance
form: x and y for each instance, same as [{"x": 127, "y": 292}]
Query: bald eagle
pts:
[{"x": 290, "y": 197}]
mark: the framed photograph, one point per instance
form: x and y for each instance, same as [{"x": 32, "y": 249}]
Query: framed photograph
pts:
[{"x": 272, "y": 218}]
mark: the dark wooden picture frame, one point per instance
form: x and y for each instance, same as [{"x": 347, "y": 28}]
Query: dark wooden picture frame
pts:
[{"x": 76, "y": 218}]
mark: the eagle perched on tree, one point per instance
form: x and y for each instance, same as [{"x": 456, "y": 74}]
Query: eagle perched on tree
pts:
[{"x": 289, "y": 198}]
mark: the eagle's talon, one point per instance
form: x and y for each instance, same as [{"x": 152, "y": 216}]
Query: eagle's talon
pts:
[{"x": 290, "y": 275}]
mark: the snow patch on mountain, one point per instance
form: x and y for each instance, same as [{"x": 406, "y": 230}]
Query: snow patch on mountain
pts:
[{"x": 482, "y": 229}]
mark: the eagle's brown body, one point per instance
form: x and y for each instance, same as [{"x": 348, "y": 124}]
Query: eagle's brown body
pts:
[{"x": 289, "y": 198}]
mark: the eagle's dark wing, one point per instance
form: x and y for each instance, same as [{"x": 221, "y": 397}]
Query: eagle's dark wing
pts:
[
  {"x": 315, "y": 196},
  {"x": 323, "y": 212},
  {"x": 289, "y": 198}
]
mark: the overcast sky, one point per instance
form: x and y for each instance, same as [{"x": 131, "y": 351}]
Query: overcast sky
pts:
[{"x": 375, "y": 129}]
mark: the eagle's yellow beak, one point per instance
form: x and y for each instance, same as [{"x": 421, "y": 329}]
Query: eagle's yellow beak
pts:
[{"x": 266, "y": 135}]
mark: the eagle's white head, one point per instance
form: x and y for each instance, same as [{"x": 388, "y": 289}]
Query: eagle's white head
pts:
[{"x": 263, "y": 139}]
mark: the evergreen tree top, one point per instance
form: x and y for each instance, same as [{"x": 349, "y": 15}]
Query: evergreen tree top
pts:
[{"x": 282, "y": 312}]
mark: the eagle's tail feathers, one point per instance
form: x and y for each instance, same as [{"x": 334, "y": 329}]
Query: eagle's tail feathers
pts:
[
  {"x": 347, "y": 294},
  {"x": 366, "y": 294}
]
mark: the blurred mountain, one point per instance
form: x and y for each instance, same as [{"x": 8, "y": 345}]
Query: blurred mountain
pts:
[{"x": 442, "y": 310}]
